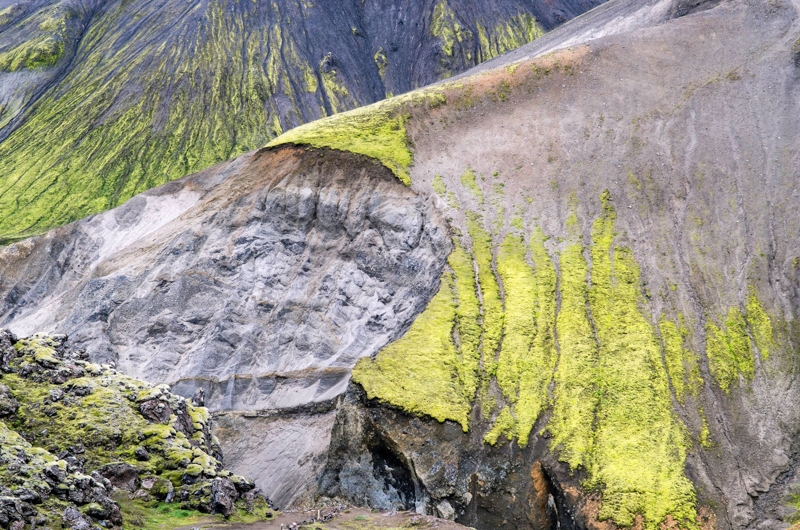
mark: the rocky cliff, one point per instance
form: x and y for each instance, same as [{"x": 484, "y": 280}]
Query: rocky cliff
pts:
[
  {"x": 579, "y": 310},
  {"x": 104, "y": 99},
  {"x": 261, "y": 280}
]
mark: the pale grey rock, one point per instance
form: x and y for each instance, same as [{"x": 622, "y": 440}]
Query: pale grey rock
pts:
[{"x": 257, "y": 284}]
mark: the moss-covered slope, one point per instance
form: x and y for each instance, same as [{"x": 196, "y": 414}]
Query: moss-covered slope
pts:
[
  {"x": 73, "y": 432},
  {"x": 104, "y": 101},
  {"x": 636, "y": 326}
]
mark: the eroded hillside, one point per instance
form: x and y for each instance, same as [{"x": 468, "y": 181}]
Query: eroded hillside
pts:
[{"x": 580, "y": 309}]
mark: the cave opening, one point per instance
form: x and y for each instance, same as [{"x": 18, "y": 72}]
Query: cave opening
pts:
[{"x": 395, "y": 477}]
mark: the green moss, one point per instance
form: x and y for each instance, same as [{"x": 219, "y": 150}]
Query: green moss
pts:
[
  {"x": 468, "y": 317},
  {"x": 504, "y": 425},
  {"x": 640, "y": 447},
  {"x": 138, "y": 514},
  {"x": 520, "y": 317},
  {"x": 377, "y": 131},
  {"x": 468, "y": 180},
  {"x": 537, "y": 373},
  {"x": 729, "y": 351},
  {"x": 41, "y": 52},
  {"x": 682, "y": 363},
  {"x": 574, "y": 395},
  {"x": 439, "y": 186},
  {"x": 760, "y": 324},
  {"x": 336, "y": 90},
  {"x": 490, "y": 293},
  {"x": 507, "y": 35},
  {"x": 381, "y": 61},
  {"x": 310, "y": 78},
  {"x": 446, "y": 27},
  {"x": 419, "y": 372}
]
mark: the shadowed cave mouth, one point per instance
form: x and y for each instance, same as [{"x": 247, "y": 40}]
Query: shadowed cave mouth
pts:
[{"x": 394, "y": 475}]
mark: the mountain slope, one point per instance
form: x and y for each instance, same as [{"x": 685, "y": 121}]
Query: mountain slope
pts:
[
  {"x": 102, "y": 100},
  {"x": 583, "y": 310}
]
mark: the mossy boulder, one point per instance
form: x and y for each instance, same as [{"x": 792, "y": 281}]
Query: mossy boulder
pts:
[{"x": 71, "y": 432}]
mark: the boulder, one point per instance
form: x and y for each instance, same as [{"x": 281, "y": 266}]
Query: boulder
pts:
[
  {"x": 223, "y": 496},
  {"x": 121, "y": 475}
]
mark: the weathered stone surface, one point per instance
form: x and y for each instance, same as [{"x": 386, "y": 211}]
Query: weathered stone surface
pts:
[
  {"x": 305, "y": 263},
  {"x": 100, "y": 408},
  {"x": 121, "y": 475},
  {"x": 223, "y": 495},
  {"x": 8, "y": 404}
]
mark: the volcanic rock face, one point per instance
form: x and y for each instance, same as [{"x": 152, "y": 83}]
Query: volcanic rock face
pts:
[
  {"x": 584, "y": 307},
  {"x": 184, "y": 86},
  {"x": 261, "y": 281}
]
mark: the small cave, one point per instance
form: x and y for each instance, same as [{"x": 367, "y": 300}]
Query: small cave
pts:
[{"x": 394, "y": 476}]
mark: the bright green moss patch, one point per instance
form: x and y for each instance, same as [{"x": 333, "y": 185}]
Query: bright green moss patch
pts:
[
  {"x": 504, "y": 425},
  {"x": 419, "y": 372},
  {"x": 490, "y": 293},
  {"x": 526, "y": 360},
  {"x": 469, "y": 182},
  {"x": 377, "y": 131},
  {"x": 520, "y": 318},
  {"x": 728, "y": 350},
  {"x": 574, "y": 394},
  {"x": 538, "y": 370},
  {"x": 682, "y": 363},
  {"x": 640, "y": 447},
  {"x": 468, "y": 317},
  {"x": 760, "y": 324}
]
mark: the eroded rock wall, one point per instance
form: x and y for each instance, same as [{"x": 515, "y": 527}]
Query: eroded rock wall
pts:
[{"x": 261, "y": 281}]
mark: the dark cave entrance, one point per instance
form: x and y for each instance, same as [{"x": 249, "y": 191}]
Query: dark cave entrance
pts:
[{"x": 395, "y": 477}]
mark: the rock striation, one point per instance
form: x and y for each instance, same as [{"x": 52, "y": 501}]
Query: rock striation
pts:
[{"x": 260, "y": 281}]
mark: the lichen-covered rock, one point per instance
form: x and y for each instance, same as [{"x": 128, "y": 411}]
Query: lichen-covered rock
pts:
[{"x": 74, "y": 431}]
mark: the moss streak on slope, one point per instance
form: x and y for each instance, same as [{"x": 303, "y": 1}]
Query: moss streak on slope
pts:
[
  {"x": 467, "y": 320},
  {"x": 527, "y": 358},
  {"x": 520, "y": 318},
  {"x": 574, "y": 394},
  {"x": 640, "y": 447},
  {"x": 730, "y": 349},
  {"x": 424, "y": 372},
  {"x": 682, "y": 363},
  {"x": 538, "y": 371},
  {"x": 490, "y": 293}
]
